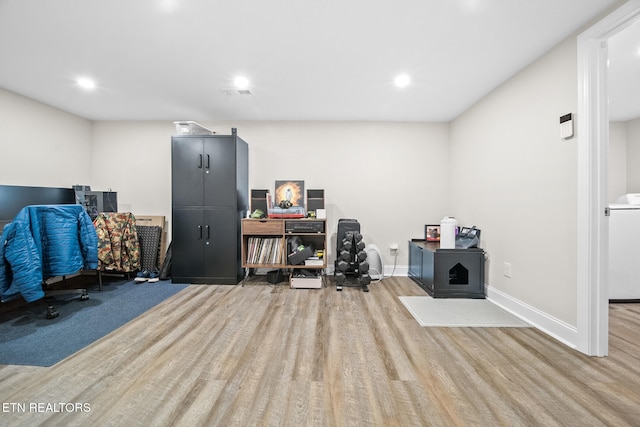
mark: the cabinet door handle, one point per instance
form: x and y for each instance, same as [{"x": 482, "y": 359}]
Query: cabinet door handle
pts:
[
  {"x": 208, "y": 232},
  {"x": 199, "y": 232},
  {"x": 208, "y": 161},
  {"x": 199, "y": 161}
]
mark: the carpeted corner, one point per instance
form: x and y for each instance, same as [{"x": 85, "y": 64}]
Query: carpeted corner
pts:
[{"x": 28, "y": 338}]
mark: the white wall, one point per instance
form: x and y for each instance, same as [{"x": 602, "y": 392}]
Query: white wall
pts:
[
  {"x": 389, "y": 176},
  {"x": 624, "y": 156},
  {"x": 134, "y": 159},
  {"x": 633, "y": 155},
  {"x": 617, "y": 165},
  {"x": 42, "y": 145},
  {"x": 515, "y": 178}
]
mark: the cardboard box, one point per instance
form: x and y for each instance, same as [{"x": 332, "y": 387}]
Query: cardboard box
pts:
[{"x": 151, "y": 220}]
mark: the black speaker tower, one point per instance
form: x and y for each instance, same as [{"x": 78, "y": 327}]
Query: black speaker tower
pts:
[
  {"x": 259, "y": 200},
  {"x": 315, "y": 200}
]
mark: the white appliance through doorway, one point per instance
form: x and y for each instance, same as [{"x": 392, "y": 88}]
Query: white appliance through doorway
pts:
[{"x": 624, "y": 248}]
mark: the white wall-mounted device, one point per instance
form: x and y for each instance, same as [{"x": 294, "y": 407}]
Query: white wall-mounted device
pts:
[{"x": 566, "y": 126}]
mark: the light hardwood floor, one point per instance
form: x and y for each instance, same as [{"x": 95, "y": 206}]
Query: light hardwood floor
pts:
[{"x": 269, "y": 355}]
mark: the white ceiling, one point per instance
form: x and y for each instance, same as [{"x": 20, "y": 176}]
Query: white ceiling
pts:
[{"x": 306, "y": 60}]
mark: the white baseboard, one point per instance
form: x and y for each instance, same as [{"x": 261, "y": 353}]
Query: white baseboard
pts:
[
  {"x": 551, "y": 326},
  {"x": 400, "y": 270}
]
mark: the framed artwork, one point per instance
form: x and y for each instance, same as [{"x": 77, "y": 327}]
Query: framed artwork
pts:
[
  {"x": 432, "y": 233},
  {"x": 289, "y": 191}
]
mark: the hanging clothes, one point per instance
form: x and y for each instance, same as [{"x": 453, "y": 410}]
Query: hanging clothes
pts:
[{"x": 118, "y": 245}]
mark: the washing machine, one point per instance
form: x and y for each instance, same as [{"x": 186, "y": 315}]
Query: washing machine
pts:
[{"x": 624, "y": 248}]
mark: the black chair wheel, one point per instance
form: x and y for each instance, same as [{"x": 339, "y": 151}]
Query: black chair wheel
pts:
[{"x": 52, "y": 313}]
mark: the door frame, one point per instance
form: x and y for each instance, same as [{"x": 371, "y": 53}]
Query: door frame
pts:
[{"x": 593, "y": 147}]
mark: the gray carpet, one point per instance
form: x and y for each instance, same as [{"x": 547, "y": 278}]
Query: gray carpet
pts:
[
  {"x": 28, "y": 338},
  {"x": 457, "y": 312}
]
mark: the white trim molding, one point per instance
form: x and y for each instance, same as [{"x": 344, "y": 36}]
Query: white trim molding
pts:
[
  {"x": 593, "y": 141},
  {"x": 561, "y": 331}
]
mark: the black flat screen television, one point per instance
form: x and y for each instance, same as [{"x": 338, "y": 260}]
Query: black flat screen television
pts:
[{"x": 14, "y": 197}]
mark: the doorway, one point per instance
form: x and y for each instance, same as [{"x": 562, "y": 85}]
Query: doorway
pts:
[{"x": 593, "y": 137}]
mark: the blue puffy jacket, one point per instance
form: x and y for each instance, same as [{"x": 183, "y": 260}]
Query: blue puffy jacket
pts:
[{"x": 45, "y": 241}]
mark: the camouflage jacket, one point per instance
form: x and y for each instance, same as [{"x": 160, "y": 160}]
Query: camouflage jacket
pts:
[{"x": 118, "y": 247}]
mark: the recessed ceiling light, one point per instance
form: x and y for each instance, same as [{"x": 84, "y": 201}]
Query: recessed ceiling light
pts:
[
  {"x": 241, "y": 82},
  {"x": 86, "y": 83},
  {"x": 402, "y": 80},
  {"x": 168, "y": 6}
]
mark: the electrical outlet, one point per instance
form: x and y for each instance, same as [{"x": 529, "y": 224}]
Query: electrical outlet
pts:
[
  {"x": 393, "y": 248},
  {"x": 507, "y": 269}
]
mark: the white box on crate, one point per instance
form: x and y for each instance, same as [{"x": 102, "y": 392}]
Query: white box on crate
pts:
[
  {"x": 306, "y": 282},
  {"x": 191, "y": 128}
]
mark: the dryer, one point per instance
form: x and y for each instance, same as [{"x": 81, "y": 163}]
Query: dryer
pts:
[{"x": 624, "y": 248}]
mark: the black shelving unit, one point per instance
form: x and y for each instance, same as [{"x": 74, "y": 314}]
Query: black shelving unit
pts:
[{"x": 210, "y": 196}]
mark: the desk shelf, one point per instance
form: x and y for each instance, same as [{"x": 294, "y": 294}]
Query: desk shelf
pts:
[{"x": 266, "y": 240}]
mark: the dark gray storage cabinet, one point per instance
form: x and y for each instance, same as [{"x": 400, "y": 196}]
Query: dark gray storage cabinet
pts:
[
  {"x": 447, "y": 273},
  {"x": 210, "y": 196}
]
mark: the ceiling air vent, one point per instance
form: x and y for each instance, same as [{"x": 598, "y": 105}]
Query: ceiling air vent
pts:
[{"x": 236, "y": 91}]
